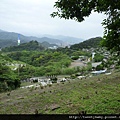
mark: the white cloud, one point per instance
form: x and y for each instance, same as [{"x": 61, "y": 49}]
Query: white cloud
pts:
[{"x": 32, "y": 17}]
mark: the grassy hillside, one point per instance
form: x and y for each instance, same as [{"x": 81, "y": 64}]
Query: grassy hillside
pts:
[{"x": 99, "y": 94}]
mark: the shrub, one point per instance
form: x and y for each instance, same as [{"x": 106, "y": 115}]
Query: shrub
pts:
[{"x": 75, "y": 57}]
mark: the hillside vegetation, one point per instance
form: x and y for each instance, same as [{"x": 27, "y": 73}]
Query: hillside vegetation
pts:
[
  {"x": 93, "y": 95},
  {"x": 32, "y": 59},
  {"x": 30, "y": 46},
  {"x": 96, "y": 95},
  {"x": 90, "y": 43},
  {"x": 9, "y": 80},
  {"x": 38, "y": 61}
]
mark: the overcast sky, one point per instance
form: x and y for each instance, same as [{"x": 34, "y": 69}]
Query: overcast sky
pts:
[{"x": 32, "y": 17}]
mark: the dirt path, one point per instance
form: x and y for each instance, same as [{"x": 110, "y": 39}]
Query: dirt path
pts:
[{"x": 76, "y": 63}]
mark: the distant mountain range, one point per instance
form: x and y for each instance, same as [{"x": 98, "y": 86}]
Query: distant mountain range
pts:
[
  {"x": 65, "y": 39},
  {"x": 10, "y": 39}
]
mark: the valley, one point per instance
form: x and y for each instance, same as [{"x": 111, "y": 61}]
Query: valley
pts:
[
  {"x": 56, "y": 69},
  {"x": 59, "y": 81}
]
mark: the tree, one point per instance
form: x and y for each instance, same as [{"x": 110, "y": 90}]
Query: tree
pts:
[
  {"x": 100, "y": 67},
  {"x": 8, "y": 79},
  {"x": 78, "y": 9},
  {"x": 98, "y": 58}
]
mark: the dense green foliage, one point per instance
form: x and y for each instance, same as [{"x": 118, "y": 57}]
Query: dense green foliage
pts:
[
  {"x": 4, "y": 59},
  {"x": 42, "y": 63},
  {"x": 90, "y": 43},
  {"x": 48, "y": 62},
  {"x": 32, "y": 45},
  {"x": 39, "y": 59},
  {"x": 78, "y": 9},
  {"x": 98, "y": 58},
  {"x": 100, "y": 67},
  {"x": 111, "y": 37},
  {"x": 8, "y": 79},
  {"x": 74, "y": 52}
]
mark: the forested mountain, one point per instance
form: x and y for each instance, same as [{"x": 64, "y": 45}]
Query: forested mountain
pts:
[
  {"x": 30, "y": 46},
  {"x": 90, "y": 43},
  {"x": 7, "y": 43},
  {"x": 35, "y": 45},
  {"x": 66, "y": 39},
  {"x": 10, "y": 39}
]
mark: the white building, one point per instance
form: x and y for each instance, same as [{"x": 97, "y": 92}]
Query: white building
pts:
[{"x": 18, "y": 39}]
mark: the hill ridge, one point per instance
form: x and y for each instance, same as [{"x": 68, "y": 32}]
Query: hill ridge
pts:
[{"x": 10, "y": 39}]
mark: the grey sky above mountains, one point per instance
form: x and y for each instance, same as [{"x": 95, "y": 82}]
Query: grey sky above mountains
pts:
[{"x": 32, "y": 18}]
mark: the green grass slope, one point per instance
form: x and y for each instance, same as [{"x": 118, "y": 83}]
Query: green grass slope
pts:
[{"x": 96, "y": 95}]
